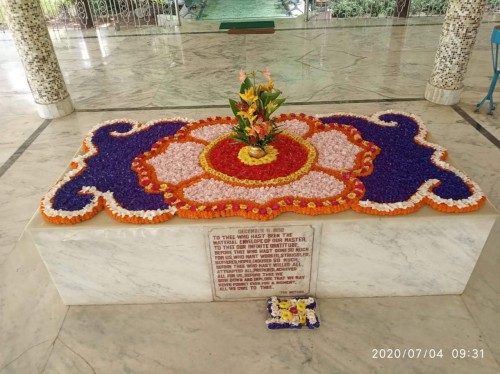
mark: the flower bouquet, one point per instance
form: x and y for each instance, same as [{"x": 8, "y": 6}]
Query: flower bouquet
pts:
[
  {"x": 292, "y": 313},
  {"x": 258, "y": 101}
]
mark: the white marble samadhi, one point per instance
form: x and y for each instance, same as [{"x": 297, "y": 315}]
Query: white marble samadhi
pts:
[{"x": 102, "y": 261}]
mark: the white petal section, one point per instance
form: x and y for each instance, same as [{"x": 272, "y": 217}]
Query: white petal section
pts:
[
  {"x": 313, "y": 185},
  {"x": 178, "y": 162},
  {"x": 335, "y": 151},
  {"x": 211, "y": 132},
  {"x": 295, "y": 126}
]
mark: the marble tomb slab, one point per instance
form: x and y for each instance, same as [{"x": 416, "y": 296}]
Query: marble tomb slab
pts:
[{"x": 102, "y": 261}]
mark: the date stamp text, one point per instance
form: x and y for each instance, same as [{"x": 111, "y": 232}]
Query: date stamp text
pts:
[{"x": 423, "y": 353}]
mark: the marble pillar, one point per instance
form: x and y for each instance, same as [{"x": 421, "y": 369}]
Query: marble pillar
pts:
[
  {"x": 458, "y": 35},
  {"x": 33, "y": 43}
]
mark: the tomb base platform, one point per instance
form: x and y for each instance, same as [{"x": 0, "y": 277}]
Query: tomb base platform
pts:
[{"x": 349, "y": 254}]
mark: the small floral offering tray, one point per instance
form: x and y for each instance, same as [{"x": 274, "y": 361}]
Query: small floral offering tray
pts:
[{"x": 294, "y": 313}]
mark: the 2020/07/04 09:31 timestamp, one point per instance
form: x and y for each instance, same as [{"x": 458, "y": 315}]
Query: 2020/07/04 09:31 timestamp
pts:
[{"x": 418, "y": 353}]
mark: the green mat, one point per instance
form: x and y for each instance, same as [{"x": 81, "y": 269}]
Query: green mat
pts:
[{"x": 246, "y": 25}]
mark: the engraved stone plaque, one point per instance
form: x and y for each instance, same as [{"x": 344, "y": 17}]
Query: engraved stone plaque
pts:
[{"x": 253, "y": 262}]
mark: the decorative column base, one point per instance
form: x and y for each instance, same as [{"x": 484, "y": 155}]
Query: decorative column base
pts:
[
  {"x": 55, "y": 110},
  {"x": 442, "y": 96}
]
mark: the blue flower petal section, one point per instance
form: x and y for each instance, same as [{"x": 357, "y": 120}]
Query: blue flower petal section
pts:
[
  {"x": 403, "y": 165},
  {"x": 110, "y": 168}
]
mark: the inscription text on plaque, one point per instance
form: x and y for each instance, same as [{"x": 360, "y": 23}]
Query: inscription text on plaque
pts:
[{"x": 249, "y": 262}]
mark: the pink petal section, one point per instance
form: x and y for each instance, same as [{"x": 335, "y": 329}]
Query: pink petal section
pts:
[
  {"x": 295, "y": 126},
  {"x": 178, "y": 162},
  {"x": 335, "y": 151},
  {"x": 211, "y": 132},
  {"x": 313, "y": 185}
]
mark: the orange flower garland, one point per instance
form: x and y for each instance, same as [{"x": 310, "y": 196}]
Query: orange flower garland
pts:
[{"x": 175, "y": 194}]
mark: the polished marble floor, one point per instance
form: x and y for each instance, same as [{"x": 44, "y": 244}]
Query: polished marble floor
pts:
[{"x": 323, "y": 67}]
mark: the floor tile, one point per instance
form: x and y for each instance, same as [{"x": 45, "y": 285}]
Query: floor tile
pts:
[
  {"x": 222, "y": 337},
  {"x": 482, "y": 294},
  {"x": 31, "y": 311}
]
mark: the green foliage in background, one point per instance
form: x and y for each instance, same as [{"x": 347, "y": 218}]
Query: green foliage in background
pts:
[
  {"x": 494, "y": 4},
  {"x": 428, "y": 7},
  {"x": 340, "y": 8},
  {"x": 112, "y": 5},
  {"x": 361, "y": 8},
  {"x": 51, "y": 8},
  {"x": 384, "y": 8}
]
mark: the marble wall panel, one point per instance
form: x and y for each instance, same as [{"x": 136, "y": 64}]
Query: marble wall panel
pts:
[
  {"x": 400, "y": 256},
  {"x": 126, "y": 265},
  {"x": 104, "y": 262}
]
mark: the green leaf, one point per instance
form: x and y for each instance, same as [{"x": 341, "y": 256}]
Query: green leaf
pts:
[
  {"x": 280, "y": 101},
  {"x": 242, "y": 124},
  {"x": 278, "y": 104},
  {"x": 233, "y": 106},
  {"x": 267, "y": 96},
  {"x": 260, "y": 106},
  {"x": 239, "y": 139},
  {"x": 245, "y": 85}
]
